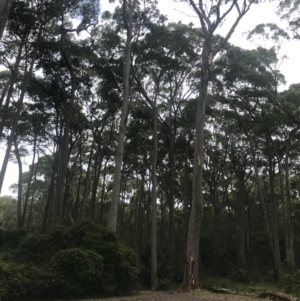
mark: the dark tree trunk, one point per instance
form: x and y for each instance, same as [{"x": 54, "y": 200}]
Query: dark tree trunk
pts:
[
  {"x": 87, "y": 180},
  {"x": 5, "y": 6},
  {"x": 154, "y": 276},
  {"x": 32, "y": 197},
  {"x": 289, "y": 222},
  {"x": 48, "y": 207},
  {"x": 241, "y": 221},
  {"x": 19, "y": 202},
  {"x": 64, "y": 145},
  {"x": 29, "y": 182},
  {"x": 19, "y": 108},
  {"x": 273, "y": 215}
]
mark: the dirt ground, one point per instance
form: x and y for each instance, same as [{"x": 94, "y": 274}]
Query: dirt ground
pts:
[{"x": 198, "y": 295}]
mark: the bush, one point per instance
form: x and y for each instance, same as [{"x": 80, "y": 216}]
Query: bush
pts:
[
  {"x": 78, "y": 273},
  {"x": 43, "y": 246},
  {"x": 11, "y": 239},
  {"x": 291, "y": 283},
  {"x": 82, "y": 261}
]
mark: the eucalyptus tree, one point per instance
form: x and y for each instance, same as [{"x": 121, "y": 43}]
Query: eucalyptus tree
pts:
[
  {"x": 211, "y": 16},
  {"x": 128, "y": 10},
  {"x": 165, "y": 60},
  {"x": 290, "y": 10}
]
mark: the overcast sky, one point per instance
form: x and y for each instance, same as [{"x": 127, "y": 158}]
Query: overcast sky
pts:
[{"x": 261, "y": 13}]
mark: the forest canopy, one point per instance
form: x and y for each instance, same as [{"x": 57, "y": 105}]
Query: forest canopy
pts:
[{"x": 164, "y": 135}]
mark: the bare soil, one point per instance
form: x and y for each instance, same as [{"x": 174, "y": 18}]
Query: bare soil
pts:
[{"x": 198, "y": 295}]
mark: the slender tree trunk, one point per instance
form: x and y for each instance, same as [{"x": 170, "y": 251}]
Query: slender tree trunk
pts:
[
  {"x": 273, "y": 221},
  {"x": 19, "y": 202},
  {"x": 97, "y": 173},
  {"x": 19, "y": 109},
  {"x": 47, "y": 212},
  {"x": 87, "y": 180},
  {"x": 32, "y": 195},
  {"x": 171, "y": 197},
  {"x": 154, "y": 277},
  {"x": 113, "y": 215},
  {"x": 101, "y": 217},
  {"x": 29, "y": 182},
  {"x": 64, "y": 151},
  {"x": 12, "y": 80},
  {"x": 139, "y": 216},
  {"x": 241, "y": 221},
  {"x": 290, "y": 229}
]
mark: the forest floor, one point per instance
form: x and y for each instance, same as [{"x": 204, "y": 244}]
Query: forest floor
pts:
[{"x": 198, "y": 295}]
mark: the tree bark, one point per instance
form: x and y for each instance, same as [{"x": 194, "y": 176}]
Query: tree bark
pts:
[
  {"x": 191, "y": 272},
  {"x": 273, "y": 214},
  {"x": 5, "y": 6},
  {"x": 290, "y": 230},
  {"x": 113, "y": 214},
  {"x": 87, "y": 180},
  {"x": 19, "y": 202},
  {"x": 29, "y": 182},
  {"x": 64, "y": 147},
  {"x": 154, "y": 276}
]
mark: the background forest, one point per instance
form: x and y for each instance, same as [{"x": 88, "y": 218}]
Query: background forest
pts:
[{"x": 106, "y": 113}]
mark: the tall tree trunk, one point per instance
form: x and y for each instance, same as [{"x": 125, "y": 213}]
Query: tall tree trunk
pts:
[
  {"x": 19, "y": 202},
  {"x": 101, "y": 216},
  {"x": 113, "y": 215},
  {"x": 12, "y": 80},
  {"x": 19, "y": 108},
  {"x": 191, "y": 277},
  {"x": 87, "y": 180},
  {"x": 290, "y": 229},
  {"x": 171, "y": 196},
  {"x": 48, "y": 207},
  {"x": 241, "y": 221},
  {"x": 97, "y": 173},
  {"x": 32, "y": 195},
  {"x": 29, "y": 182},
  {"x": 273, "y": 222},
  {"x": 191, "y": 272},
  {"x": 154, "y": 276},
  {"x": 5, "y": 6},
  {"x": 64, "y": 147}
]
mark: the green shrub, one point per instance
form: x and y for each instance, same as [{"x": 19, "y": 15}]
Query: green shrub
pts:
[
  {"x": 291, "y": 283},
  {"x": 82, "y": 261},
  {"x": 78, "y": 273},
  {"x": 11, "y": 239},
  {"x": 43, "y": 246}
]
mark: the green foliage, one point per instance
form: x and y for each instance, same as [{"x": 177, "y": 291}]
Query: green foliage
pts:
[
  {"x": 290, "y": 283},
  {"x": 164, "y": 285},
  {"x": 43, "y": 246},
  {"x": 11, "y": 239},
  {"x": 82, "y": 261},
  {"x": 78, "y": 273}
]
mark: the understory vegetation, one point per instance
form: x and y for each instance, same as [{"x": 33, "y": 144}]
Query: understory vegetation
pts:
[{"x": 69, "y": 262}]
